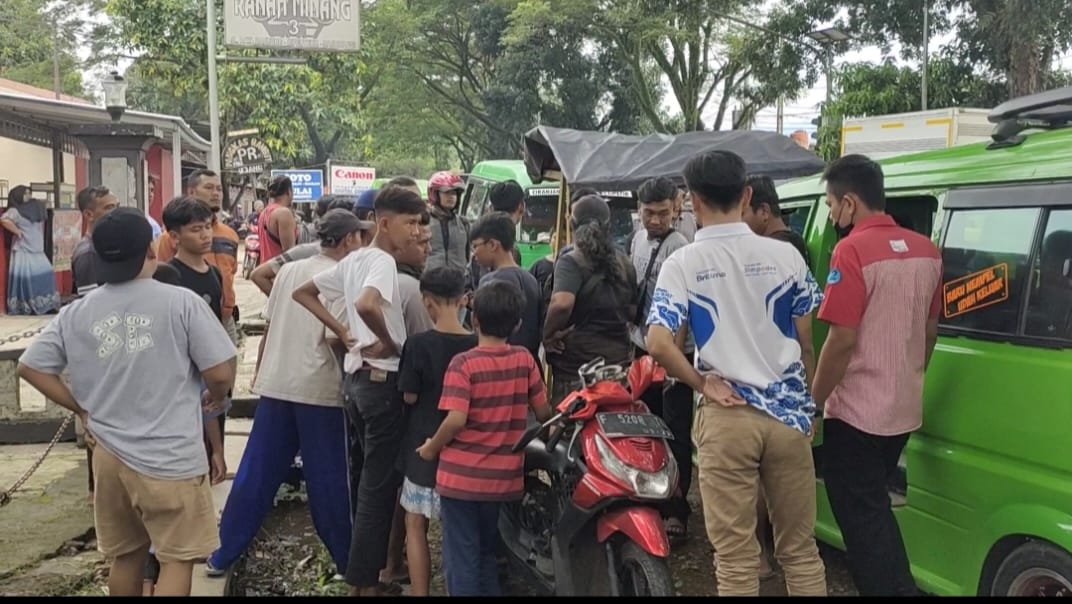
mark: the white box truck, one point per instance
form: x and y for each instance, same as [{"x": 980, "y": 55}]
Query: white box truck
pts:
[{"x": 884, "y": 136}]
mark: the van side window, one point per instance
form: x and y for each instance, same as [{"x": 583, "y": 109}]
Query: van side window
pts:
[
  {"x": 796, "y": 214},
  {"x": 986, "y": 255},
  {"x": 1049, "y": 311},
  {"x": 915, "y": 213}
]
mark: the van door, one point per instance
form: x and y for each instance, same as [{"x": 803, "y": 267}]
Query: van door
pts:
[{"x": 992, "y": 457}]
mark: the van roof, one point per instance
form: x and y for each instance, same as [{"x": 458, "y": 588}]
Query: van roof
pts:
[
  {"x": 1042, "y": 156},
  {"x": 500, "y": 170}
]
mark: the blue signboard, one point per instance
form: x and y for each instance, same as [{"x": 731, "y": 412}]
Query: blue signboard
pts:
[{"x": 308, "y": 184}]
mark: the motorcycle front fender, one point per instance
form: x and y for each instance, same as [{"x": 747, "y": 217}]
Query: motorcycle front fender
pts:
[{"x": 643, "y": 525}]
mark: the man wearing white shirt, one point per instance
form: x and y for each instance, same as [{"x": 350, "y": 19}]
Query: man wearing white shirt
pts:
[
  {"x": 368, "y": 282},
  {"x": 748, "y": 301},
  {"x": 300, "y": 409}
]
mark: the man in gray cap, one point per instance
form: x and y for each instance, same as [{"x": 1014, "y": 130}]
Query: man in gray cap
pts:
[{"x": 300, "y": 409}]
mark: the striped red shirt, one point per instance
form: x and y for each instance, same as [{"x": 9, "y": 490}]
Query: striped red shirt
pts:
[
  {"x": 494, "y": 386},
  {"x": 885, "y": 282}
]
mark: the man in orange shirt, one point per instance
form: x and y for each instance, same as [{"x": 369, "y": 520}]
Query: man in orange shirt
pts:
[{"x": 207, "y": 186}]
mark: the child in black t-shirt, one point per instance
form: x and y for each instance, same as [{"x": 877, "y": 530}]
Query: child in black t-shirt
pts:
[
  {"x": 425, "y": 358},
  {"x": 189, "y": 223}
]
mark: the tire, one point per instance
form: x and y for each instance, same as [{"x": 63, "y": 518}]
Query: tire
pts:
[
  {"x": 1034, "y": 569},
  {"x": 642, "y": 574}
]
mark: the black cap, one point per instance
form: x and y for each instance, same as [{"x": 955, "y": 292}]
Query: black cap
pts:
[{"x": 121, "y": 239}]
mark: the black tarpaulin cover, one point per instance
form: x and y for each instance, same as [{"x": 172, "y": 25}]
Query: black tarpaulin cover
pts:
[{"x": 622, "y": 160}]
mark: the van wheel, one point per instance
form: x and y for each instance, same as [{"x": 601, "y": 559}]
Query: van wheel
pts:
[{"x": 1034, "y": 569}]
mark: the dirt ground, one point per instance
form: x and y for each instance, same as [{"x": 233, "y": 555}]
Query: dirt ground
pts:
[{"x": 287, "y": 559}]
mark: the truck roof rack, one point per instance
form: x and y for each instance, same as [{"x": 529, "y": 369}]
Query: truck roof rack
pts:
[{"x": 1045, "y": 110}]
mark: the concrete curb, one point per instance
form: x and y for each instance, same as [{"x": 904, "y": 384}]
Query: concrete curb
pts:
[{"x": 243, "y": 407}]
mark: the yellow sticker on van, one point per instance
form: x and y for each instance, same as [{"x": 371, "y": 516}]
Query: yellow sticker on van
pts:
[{"x": 977, "y": 290}]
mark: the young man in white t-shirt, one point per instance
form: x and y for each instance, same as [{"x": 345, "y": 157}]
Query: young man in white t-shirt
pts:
[
  {"x": 368, "y": 282},
  {"x": 748, "y": 301},
  {"x": 300, "y": 409}
]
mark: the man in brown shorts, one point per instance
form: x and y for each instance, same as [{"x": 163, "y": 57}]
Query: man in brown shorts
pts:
[{"x": 138, "y": 351}]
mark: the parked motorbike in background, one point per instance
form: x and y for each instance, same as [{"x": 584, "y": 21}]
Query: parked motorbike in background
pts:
[
  {"x": 253, "y": 252},
  {"x": 587, "y": 523}
]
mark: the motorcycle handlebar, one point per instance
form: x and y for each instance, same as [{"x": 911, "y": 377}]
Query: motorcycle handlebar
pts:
[{"x": 557, "y": 436}]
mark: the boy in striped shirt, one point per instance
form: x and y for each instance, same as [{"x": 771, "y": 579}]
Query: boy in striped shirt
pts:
[{"x": 487, "y": 392}]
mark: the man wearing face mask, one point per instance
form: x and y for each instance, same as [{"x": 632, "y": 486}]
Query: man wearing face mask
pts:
[{"x": 883, "y": 297}]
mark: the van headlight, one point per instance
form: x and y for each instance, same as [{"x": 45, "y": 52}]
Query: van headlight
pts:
[{"x": 646, "y": 485}]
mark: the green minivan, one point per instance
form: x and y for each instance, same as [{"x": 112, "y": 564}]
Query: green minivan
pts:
[
  {"x": 535, "y": 230},
  {"x": 984, "y": 492}
]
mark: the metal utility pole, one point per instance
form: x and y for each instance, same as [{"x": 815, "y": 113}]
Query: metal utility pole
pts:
[
  {"x": 926, "y": 47},
  {"x": 781, "y": 115},
  {"x": 828, "y": 66},
  {"x": 57, "y": 85},
  {"x": 213, "y": 90}
]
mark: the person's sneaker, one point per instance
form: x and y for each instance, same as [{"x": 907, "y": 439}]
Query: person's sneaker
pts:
[
  {"x": 212, "y": 571},
  {"x": 338, "y": 578}
]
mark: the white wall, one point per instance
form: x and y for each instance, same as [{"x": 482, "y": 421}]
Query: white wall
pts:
[{"x": 23, "y": 163}]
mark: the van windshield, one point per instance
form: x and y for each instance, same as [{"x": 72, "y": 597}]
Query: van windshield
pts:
[
  {"x": 540, "y": 218},
  {"x": 542, "y": 210}
]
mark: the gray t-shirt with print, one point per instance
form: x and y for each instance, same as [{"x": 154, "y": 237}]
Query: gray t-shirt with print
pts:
[{"x": 134, "y": 353}]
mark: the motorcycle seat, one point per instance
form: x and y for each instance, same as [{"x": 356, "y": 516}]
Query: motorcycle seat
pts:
[{"x": 537, "y": 457}]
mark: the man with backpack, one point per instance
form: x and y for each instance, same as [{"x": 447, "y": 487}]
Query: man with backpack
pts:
[
  {"x": 592, "y": 303},
  {"x": 651, "y": 246}
]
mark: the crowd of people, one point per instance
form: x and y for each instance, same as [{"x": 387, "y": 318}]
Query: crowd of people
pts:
[{"x": 405, "y": 350}]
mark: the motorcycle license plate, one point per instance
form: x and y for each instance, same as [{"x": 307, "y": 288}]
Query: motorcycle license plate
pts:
[{"x": 621, "y": 425}]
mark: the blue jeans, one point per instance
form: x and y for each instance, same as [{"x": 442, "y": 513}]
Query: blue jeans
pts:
[{"x": 470, "y": 541}]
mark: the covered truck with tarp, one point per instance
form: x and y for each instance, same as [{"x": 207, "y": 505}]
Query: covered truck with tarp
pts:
[{"x": 604, "y": 160}]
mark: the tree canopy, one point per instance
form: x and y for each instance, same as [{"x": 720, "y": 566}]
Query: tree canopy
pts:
[{"x": 444, "y": 83}]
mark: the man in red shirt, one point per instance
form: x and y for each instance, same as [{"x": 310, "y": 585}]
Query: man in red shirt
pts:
[
  {"x": 277, "y": 226},
  {"x": 883, "y": 296},
  {"x": 487, "y": 392}
]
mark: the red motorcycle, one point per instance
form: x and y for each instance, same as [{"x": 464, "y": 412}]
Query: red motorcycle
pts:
[{"x": 587, "y": 524}]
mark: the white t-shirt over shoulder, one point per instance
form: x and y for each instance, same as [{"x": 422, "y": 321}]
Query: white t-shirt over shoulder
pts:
[{"x": 367, "y": 267}]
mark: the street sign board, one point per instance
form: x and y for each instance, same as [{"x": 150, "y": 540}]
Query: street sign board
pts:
[
  {"x": 308, "y": 184},
  {"x": 246, "y": 155},
  {"x": 328, "y": 25},
  {"x": 351, "y": 180}
]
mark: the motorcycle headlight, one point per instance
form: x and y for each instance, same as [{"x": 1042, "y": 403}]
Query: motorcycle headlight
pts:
[{"x": 646, "y": 485}]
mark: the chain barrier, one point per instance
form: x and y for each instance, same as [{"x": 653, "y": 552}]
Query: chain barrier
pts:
[
  {"x": 24, "y": 335},
  {"x": 5, "y": 497}
]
